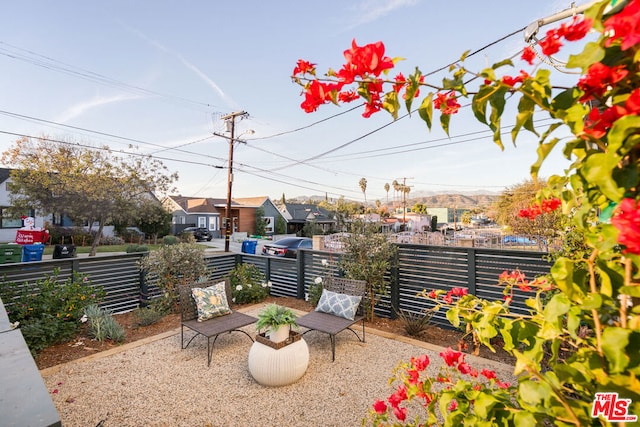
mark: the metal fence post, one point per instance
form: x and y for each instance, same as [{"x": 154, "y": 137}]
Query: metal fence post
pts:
[
  {"x": 471, "y": 270},
  {"x": 395, "y": 286},
  {"x": 300, "y": 274}
]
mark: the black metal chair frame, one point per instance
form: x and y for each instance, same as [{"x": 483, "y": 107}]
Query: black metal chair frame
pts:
[
  {"x": 332, "y": 324},
  {"x": 211, "y": 328}
]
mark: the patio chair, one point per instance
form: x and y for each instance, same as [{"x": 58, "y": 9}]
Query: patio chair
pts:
[
  {"x": 332, "y": 322},
  {"x": 212, "y": 327}
]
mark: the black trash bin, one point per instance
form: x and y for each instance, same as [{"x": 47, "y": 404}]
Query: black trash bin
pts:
[{"x": 64, "y": 251}]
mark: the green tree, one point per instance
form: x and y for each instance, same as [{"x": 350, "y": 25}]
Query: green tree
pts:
[
  {"x": 86, "y": 185},
  {"x": 261, "y": 223},
  {"x": 466, "y": 218},
  {"x": 368, "y": 255},
  {"x": 281, "y": 225},
  {"x": 419, "y": 208},
  {"x": 153, "y": 219},
  {"x": 520, "y": 196},
  {"x": 363, "y": 187}
]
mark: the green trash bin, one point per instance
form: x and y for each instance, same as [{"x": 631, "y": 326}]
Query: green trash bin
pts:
[{"x": 10, "y": 253}]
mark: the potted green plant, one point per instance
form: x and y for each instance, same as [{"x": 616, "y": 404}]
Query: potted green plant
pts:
[{"x": 277, "y": 320}]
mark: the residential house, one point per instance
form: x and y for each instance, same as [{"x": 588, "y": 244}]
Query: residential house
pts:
[
  {"x": 297, "y": 215},
  {"x": 271, "y": 212},
  {"x": 9, "y": 224},
  {"x": 194, "y": 212}
]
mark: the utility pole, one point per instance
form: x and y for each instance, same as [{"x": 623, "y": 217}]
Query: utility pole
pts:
[{"x": 230, "y": 119}]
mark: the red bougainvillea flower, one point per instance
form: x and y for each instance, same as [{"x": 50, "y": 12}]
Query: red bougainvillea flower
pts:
[
  {"x": 528, "y": 54},
  {"x": 459, "y": 292},
  {"x": 348, "y": 96},
  {"x": 627, "y": 220},
  {"x": 446, "y": 103},
  {"x": 545, "y": 206},
  {"x": 400, "y": 413},
  {"x": 398, "y": 396},
  {"x": 488, "y": 374},
  {"x": 433, "y": 294},
  {"x": 598, "y": 123},
  {"x": 303, "y": 67},
  {"x": 632, "y": 105},
  {"x": 501, "y": 384},
  {"x": 453, "y": 405},
  {"x": 576, "y": 29},
  {"x": 316, "y": 94},
  {"x": 414, "y": 376},
  {"x": 401, "y": 81},
  {"x": 512, "y": 81},
  {"x": 465, "y": 368},
  {"x": 551, "y": 44},
  {"x": 451, "y": 357},
  {"x": 625, "y": 26},
  {"x": 380, "y": 407},
  {"x": 364, "y": 60},
  {"x": 420, "y": 363},
  {"x": 599, "y": 76}
]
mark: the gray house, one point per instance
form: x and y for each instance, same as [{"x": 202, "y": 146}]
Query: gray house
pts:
[
  {"x": 297, "y": 215},
  {"x": 193, "y": 212}
]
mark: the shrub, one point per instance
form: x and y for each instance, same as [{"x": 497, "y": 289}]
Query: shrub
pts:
[
  {"x": 170, "y": 240},
  {"x": 248, "y": 284},
  {"x": 49, "y": 311},
  {"x": 137, "y": 248},
  {"x": 174, "y": 265},
  {"x": 102, "y": 324},
  {"x": 414, "y": 323},
  {"x": 152, "y": 313}
]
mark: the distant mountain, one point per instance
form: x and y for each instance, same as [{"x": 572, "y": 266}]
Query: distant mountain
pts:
[{"x": 455, "y": 200}]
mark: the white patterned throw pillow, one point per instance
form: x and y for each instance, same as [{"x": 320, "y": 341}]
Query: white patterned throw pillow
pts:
[
  {"x": 211, "y": 302},
  {"x": 342, "y": 305}
]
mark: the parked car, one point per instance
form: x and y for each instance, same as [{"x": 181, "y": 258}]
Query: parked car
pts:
[
  {"x": 199, "y": 233},
  {"x": 287, "y": 247}
]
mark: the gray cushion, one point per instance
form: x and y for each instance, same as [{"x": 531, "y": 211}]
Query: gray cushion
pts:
[{"x": 342, "y": 305}]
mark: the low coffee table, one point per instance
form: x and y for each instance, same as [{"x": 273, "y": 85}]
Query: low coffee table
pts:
[{"x": 276, "y": 367}]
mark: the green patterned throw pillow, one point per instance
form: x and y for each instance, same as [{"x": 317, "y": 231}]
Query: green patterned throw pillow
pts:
[
  {"x": 211, "y": 302},
  {"x": 342, "y": 305}
]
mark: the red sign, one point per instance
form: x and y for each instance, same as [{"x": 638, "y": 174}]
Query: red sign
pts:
[{"x": 27, "y": 237}]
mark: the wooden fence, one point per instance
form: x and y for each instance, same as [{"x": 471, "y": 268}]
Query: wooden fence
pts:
[{"x": 418, "y": 267}]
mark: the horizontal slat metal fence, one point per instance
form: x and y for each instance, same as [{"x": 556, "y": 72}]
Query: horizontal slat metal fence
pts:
[{"x": 419, "y": 267}]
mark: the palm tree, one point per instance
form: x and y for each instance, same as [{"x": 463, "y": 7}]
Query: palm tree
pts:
[
  {"x": 396, "y": 187},
  {"x": 363, "y": 187},
  {"x": 386, "y": 188}
]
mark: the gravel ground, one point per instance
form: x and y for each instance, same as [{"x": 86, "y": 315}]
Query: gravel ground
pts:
[{"x": 158, "y": 384}]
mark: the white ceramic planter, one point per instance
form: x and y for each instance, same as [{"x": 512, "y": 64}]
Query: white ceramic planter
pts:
[
  {"x": 281, "y": 334},
  {"x": 274, "y": 368}
]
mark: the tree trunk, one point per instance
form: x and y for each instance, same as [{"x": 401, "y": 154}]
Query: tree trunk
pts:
[{"x": 96, "y": 241}]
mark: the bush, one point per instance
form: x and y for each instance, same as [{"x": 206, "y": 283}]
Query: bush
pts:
[
  {"x": 102, "y": 325},
  {"x": 137, "y": 248},
  {"x": 152, "y": 313},
  {"x": 248, "y": 284},
  {"x": 414, "y": 323},
  {"x": 174, "y": 265},
  {"x": 170, "y": 240},
  {"x": 49, "y": 311}
]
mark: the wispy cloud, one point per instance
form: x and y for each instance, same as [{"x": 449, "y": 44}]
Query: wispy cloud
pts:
[
  {"x": 97, "y": 101},
  {"x": 186, "y": 63},
  {"x": 371, "y": 10}
]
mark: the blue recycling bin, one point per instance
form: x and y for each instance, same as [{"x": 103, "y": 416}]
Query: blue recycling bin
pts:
[
  {"x": 249, "y": 246},
  {"x": 32, "y": 252}
]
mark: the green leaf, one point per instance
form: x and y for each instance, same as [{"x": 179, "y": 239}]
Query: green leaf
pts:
[
  {"x": 453, "y": 316},
  {"x": 426, "y": 110},
  {"x": 591, "y": 54},
  {"x": 391, "y": 104},
  {"x": 633, "y": 291},
  {"x": 444, "y": 122},
  {"x": 535, "y": 394},
  {"x": 598, "y": 169},
  {"x": 543, "y": 151},
  {"x": 480, "y": 101},
  {"x": 556, "y": 307},
  {"x": 413, "y": 84},
  {"x": 614, "y": 343},
  {"x": 620, "y": 131},
  {"x": 524, "y": 118},
  {"x": 592, "y": 301},
  {"x": 483, "y": 405}
]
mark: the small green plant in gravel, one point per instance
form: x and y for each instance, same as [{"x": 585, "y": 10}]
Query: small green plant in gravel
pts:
[
  {"x": 414, "y": 323},
  {"x": 152, "y": 313}
]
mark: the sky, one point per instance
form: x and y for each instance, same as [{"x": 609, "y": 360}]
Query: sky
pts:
[{"x": 159, "y": 75}]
